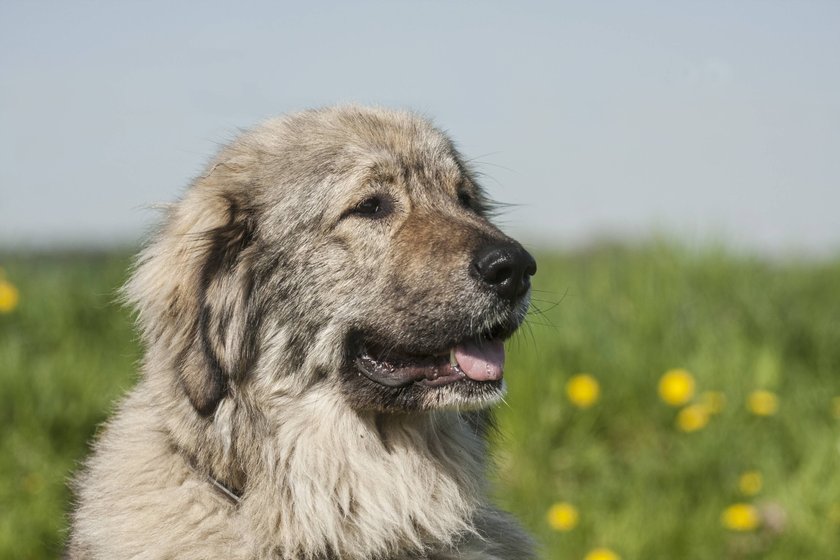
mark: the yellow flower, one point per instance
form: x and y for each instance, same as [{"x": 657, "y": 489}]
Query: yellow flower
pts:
[
  {"x": 583, "y": 390},
  {"x": 692, "y": 418},
  {"x": 740, "y": 517},
  {"x": 8, "y": 296},
  {"x": 562, "y": 516},
  {"x": 676, "y": 387},
  {"x": 750, "y": 483},
  {"x": 763, "y": 403},
  {"x": 602, "y": 554},
  {"x": 714, "y": 401}
]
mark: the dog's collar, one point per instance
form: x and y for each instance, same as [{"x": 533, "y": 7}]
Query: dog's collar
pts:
[{"x": 228, "y": 493}]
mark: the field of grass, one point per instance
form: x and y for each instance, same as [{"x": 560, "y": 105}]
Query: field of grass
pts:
[{"x": 629, "y": 476}]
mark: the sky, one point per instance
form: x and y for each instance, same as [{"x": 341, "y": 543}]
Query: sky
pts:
[{"x": 705, "y": 121}]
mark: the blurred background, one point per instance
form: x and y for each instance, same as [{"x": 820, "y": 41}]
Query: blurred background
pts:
[{"x": 675, "y": 166}]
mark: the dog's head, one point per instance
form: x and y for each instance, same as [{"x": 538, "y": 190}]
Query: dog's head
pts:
[{"x": 348, "y": 246}]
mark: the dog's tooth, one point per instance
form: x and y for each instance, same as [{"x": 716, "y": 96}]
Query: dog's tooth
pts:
[{"x": 452, "y": 361}]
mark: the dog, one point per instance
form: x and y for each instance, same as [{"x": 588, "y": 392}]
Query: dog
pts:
[{"x": 323, "y": 314}]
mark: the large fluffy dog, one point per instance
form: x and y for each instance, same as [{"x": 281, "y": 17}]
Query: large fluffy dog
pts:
[{"x": 324, "y": 314}]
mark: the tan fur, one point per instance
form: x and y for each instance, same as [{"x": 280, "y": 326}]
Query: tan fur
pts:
[{"x": 244, "y": 301}]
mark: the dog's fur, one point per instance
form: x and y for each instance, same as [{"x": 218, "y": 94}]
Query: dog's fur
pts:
[{"x": 250, "y": 434}]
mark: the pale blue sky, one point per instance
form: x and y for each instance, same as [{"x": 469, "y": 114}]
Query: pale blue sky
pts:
[{"x": 704, "y": 119}]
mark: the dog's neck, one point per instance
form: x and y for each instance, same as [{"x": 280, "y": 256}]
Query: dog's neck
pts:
[
  {"x": 316, "y": 477},
  {"x": 232, "y": 494},
  {"x": 360, "y": 484}
]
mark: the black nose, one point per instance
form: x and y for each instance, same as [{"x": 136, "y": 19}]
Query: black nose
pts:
[{"x": 505, "y": 268}]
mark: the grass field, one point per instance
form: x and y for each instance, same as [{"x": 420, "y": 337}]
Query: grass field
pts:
[{"x": 619, "y": 468}]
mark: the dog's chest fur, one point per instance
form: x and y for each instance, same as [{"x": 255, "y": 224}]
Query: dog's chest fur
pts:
[{"x": 326, "y": 483}]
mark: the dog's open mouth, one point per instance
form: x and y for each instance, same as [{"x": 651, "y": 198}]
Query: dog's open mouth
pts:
[{"x": 476, "y": 360}]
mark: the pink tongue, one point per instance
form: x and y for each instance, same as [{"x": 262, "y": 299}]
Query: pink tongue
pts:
[{"x": 481, "y": 361}]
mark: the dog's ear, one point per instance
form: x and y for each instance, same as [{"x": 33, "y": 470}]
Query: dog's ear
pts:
[{"x": 193, "y": 288}]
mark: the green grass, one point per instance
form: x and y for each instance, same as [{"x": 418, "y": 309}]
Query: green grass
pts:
[
  {"x": 625, "y": 315},
  {"x": 66, "y": 353}
]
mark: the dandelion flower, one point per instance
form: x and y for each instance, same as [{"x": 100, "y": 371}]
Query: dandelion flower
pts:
[
  {"x": 676, "y": 387},
  {"x": 602, "y": 554},
  {"x": 562, "y": 516},
  {"x": 763, "y": 403},
  {"x": 750, "y": 483},
  {"x": 8, "y": 296},
  {"x": 740, "y": 517},
  {"x": 692, "y": 418},
  {"x": 583, "y": 390},
  {"x": 714, "y": 401}
]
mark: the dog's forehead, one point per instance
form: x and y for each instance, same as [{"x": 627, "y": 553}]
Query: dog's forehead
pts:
[
  {"x": 399, "y": 147},
  {"x": 378, "y": 142},
  {"x": 410, "y": 168},
  {"x": 338, "y": 150}
]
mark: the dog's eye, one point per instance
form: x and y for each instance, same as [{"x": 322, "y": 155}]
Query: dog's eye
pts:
[
  {"x": 465, "y": 199},
  {"x": 371, "y": 207}
]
